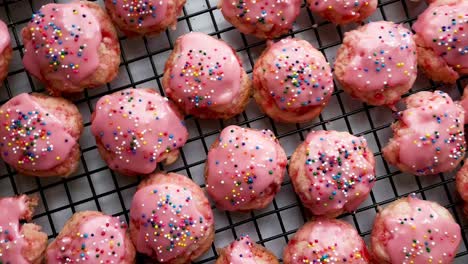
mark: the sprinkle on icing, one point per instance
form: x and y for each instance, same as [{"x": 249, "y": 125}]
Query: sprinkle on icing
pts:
[
  {"x": 4, "y": 36},
  {"x": 206, "y": 73},
  {"x": 421, "y": 235},
  {"x": 64, "y": 42},
  {"x": 240, "y": 251},
  {"x": 32, "y": 138},
  {"x": 138, "y": 127},
  {"x": 99, "y": 239},
  {"x": 443, "y": 27},
  {"x": 297, "y": 75},
  {"x": 11, "y": 239},
  {"x": 169, "y": 220},
  {"x": 141, "y": 13},
  {"x": 340, "y": 171},
  {"x": 384, "y": 57},
  {"x": 244, "y": 166}
]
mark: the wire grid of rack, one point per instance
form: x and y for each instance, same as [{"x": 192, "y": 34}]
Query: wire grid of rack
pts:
[{"x": 95, "y": 187}]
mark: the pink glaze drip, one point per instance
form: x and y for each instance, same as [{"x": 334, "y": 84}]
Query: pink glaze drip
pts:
[
  {"x": 138, "y": 127},
  {"x": 435, "y": 142},
  {"x": 168, "y": 219},
  {"x": 64, "y": 44},
  {"x": 4, "y": 36},
  {"x": 31, "y": 137},
  {"x": 437, "y": 239},
  {"x": 205, "y": 74},
  {"x": 11, "y": 238},
  {"x": 240, "y": 251},
  {"x": 331, "y": 242},
  {"x": 340, "y": 170},
  {"x": 242, "y": 167},
  {"x": 384, "y": 57},
  {"x": 296, "y": 77},
  {"x": 100, "y": 239},
  {"x": 141, "y": 14},
  {"x": 278, "y": 13},
  {"x": 346, "y": 8},
  {"x": 443, "y": 28}
]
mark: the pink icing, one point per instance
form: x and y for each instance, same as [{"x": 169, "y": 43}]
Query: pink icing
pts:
[
  {"x": 443, "y": 28},
  {"x": 384, "y": 57},
  {"x": 278, "y": 13},
  {"x": 31, "y": 137},
  {"x": 64, "y": 43},
  {"x": 350, "y": 10},
  {"x": 435, "y": 135},
  {"x": 141, "y": 14},
  {"x": 99, "y": 239},
  {"x": 11, "y": 238},
  {"x": 340, "y": 170},
  {"x": 330, "y": 241},
  {"x": 138, "y": 127},
  {"x": 206, "y": 73},
  {"x": 297, "y": 75},
  {"x": 464, "y": 103},
  {"x": 168, "y": 219},
  {"x": 240, "y": 251},
  {"x": 421, "y": 235},
  {"x": 243, "y": 166},
  {"x": 4, "y": 36}
]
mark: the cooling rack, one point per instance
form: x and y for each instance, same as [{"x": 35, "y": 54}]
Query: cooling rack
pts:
[{"x": 95, "y": 187}]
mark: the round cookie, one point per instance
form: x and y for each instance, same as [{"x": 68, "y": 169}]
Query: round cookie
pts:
[
  {"x": 137, "y": 128},
  {"x": 244, "y": 251},
  {"x": 92, "y": 237},
  {"x": 261, "y": 18},
  {"x": 462, "y": 185},
  {"x": 147, "y": 17},
  {"x": 343, "y": 12},
  {"x": 70, "y": 47},
  {"x": 205, "y": 78},
  {"x": 326, "y": 241},
  {"x": 171, "y": 219},
  {"x": 332, "y": 172},
  {"x": 5, "y": 50},
  {"x": 410, "y": 230},
  {"x": 292, "y": 81},
  {"x": 442, "y": 41},
  {"x": 20, "y": 243},
  {"x": 428, "y": 137},
  {"x": 377, "y": 63},
  {"x": 244, "y": 169},
  {"x": 39, "y": 135}
]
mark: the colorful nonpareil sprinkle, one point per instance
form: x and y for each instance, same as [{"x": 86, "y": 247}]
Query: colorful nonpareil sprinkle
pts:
[
  {"x": 98, "y": 239},
  {"x": 12, "y": 241},
  {"x": 63, "y": 42},
  {"x": 240, "y": 251},
  {"x": 138, "y": 128},
  {"x": 383, "y": 56},
  {"x": 32, "y": 138},
  {"x": 141, "y": 13},
  {"x": 243, "y": 167}
]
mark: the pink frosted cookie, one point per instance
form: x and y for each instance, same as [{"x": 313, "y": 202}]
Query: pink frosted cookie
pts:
[
  {"x": 377, "y": 62},
  {"x": 292, "y": 81},
  {"x": 326, "y": 241},
  {"x": 20, "y": 243},
  {"x": 171, "y": 219},
  {"x": 245, "y": 251},
  {"x": 413, "y": 231},
  {"x": 332, "y": 172},
  {"x": 5, "y": 50},
  {"x": 92, "y": 237},
  {"x": 462, "y": 184},
  {"x": 137, "y": 128},
  {"x": 442, "y": 40},
  {"x": 39, "y": 135},
  {"x": 343, "y": 11},
  {"x": 428, "y": 137},
  {"x": 70, "y": 47},
  {"x": 261, "y": 18},
  {"x": 244, "y": 169},
  {"x": 138, "y": 17},
  {"x": 205, "y": 78}
]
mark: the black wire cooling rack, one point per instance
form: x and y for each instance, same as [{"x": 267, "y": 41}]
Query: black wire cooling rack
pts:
[{"x": 95, "y": 187}]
